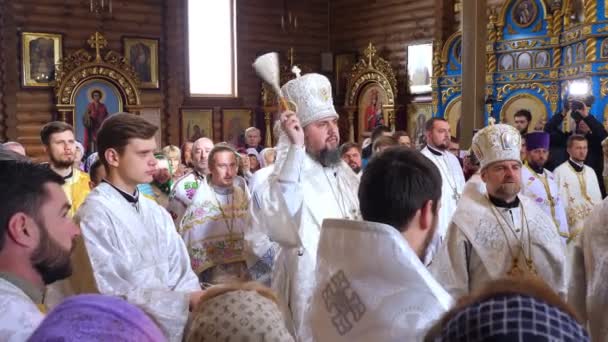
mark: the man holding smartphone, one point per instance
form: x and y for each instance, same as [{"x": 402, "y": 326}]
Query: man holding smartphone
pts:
[{"x": 583, "y": 123}]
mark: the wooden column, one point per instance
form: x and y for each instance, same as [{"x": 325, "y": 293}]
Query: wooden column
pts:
[{"x": 473, "y": 68}]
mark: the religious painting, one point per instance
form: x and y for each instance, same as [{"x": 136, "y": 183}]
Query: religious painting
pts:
[
  {"x": 142, "y": 54},
  {"x": 344, "y": 63},
  {"x": 370, "y": 111},
  {"x": 505, "y": 63},
  {"x": 604, "y": 48},
  {"x": 452, "y": 114},
  {"x": 541, "y": 60},
  {"x": 196, "y": 124},
  {"x": 457, "y": 50},
  {"x": 580, "y": 53},
  {"x": 420, "y": 67},
  {"x": 528, "y": 102},
  {"x": 418, "y": 114},
  {"x": 524, "y": 61},
  {"x": 41, "y": 52},
  {"x": 95, "y": 101},
  {"x": 234, "y": 124},
  {"x": 568, "y": 56},
  {"x": 524, "y": 12},
  {"x": 577, "y": 15}
]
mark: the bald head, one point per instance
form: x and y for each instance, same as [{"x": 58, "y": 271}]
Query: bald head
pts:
[
  {"x": 15, "y": 147},
  {"x": 200, "y": 154}
]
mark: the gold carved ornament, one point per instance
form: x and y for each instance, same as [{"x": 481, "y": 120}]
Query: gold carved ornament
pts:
[{"x": 81, "y": 66}]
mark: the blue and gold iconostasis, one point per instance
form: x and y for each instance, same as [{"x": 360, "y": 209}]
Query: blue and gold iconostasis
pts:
[{"x": 534, "y": 53}]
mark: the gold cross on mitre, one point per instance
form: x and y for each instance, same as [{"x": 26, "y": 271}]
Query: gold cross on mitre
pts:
[
  {"x": 369, "y": 53},
  {"x": 98, "y": 42}
]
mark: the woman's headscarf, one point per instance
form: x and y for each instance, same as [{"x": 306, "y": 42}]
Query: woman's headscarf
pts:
[{"x": 97, "y": 318}]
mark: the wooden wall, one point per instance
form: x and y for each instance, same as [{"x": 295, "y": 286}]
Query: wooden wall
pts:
[{"x": 25, "y": 110}]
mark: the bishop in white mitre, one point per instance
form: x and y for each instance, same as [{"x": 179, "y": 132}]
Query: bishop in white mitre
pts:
[
  {"x": 217, "y": 230},
  {"x": 578, "y": 185},
  {"x": 371, "y": 282},
  {"x": 588, "y": 291},
  {"x": 501, "y": 232},
  {"x": 309, "y": 184},
  {"x": 438, "y": 140},
  {"x": 539, "y": 183}
]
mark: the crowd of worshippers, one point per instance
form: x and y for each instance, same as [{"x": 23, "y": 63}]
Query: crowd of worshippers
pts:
[{"x": 310, "y": 240}]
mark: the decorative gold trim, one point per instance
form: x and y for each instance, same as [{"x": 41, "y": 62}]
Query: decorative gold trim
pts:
[
  {"x": 509, "y": 102},
  {"x": 152, "y": 44},
  {"x": 446, "y": 48},
  {"x": 26, "y": 72},
  {"x": 449, "y": 107},
  {"x": 508, "y": 88},
  {"x": 506, "y": 5},
  {"x": 603, "y": 86},
  {"x": 81, "y": 66}
]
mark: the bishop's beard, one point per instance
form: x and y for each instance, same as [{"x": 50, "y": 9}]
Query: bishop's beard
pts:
[
  {"x": 327, "y": 157},
  {"x": 50, "y": 259}
]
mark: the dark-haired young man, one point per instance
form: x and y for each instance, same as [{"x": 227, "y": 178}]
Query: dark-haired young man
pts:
[
  {"x": 134, "y": 248},
  {"x": 522, "y": 119},
  {"x": 58, "y": 140},
  {"x": 377, "y": 263},
  {"x": 578, "y": 184},
  {"x": 36, "y": 241},
  {"x": 438, "y": 138}
]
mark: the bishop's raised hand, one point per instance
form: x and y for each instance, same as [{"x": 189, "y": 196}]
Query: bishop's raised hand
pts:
[{"x": 291, "y": 125}]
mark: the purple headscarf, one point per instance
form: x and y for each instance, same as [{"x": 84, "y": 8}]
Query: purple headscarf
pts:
[{"x": 97, "y": 318}]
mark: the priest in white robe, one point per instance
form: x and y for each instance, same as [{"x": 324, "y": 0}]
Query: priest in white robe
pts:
[
  {"x": 578, "y": 185},
  {"x": 371, "y": 282},
  {"x": 501, "y": 232},
  {"x": 310, "y": 183},
  {"x": 217, "y": 224},
  {"x": 588, "y": 291},
  {"x": 438, "y": 141},
  {"x": 539, "y": 183},
  {"x": 134, "y": 248},
  {"x": 37, "y": 239},
  {"x": 185, "y": 188}
]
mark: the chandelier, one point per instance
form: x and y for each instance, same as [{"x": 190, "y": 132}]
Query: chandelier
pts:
[
  {"x": 100, "y": 6},
  {"x": 289, "y": 20}
]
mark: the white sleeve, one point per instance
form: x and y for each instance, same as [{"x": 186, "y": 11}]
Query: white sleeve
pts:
[{"x": 450, "y": 266}]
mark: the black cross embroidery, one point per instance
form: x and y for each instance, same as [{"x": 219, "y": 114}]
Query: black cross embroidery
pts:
[{"x": 343, "y": 303}]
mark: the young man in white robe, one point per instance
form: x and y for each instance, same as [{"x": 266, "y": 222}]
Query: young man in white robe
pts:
[
  {"x": 371, "y": 282},
  {"x": 438, "y": 138},
  {"x": 310, "y": 183},
  {"x": 217, "y": 223},
  {"x": 578, "y": 185},
  {"x": 501, "y": 232},
  {"x": 133, "y": 246},
  {"x": 36, "y": 241},
  {"x": 185, "y": 188},
  {"x": 588, "y": 291},
  {"x": 539, "y": 183}
]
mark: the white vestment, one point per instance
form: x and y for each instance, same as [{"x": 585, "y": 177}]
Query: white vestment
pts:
[
  {"x": 137, "y": 254},
  {"x": 452, "y": 188},
  {"x": 292, "y": 207},
  {"x": 477, "y": 249},
  {"x": 371, "y": 286},
  {"x": 588, "y": 292},
  {"x": 19, "y": 315},
  {"x": 580, "y": 192},
  {"x": 543, "y": 190},
  {"x": 259, "y": 177},
  {"x": 182, "y": 194},
  {"x": 217, "y": 230}
]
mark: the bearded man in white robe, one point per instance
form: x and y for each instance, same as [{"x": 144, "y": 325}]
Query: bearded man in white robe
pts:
[
  {"x": 588, "y": 291},
  {"x": 37, "y": 237},
  {"x": 539, "y": 183},
  {"x": 371, "y": 282},
  {"x": 501, "y": 232},
  {"x": 438, "y": 141},
  {"x": 310, "y": 183},
  {"x": 133, "y": 246}
]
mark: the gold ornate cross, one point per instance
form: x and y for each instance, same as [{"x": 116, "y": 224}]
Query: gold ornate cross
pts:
[
  {"x": 98, "y": 42},
  {"x": 369, "y": 53}
]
